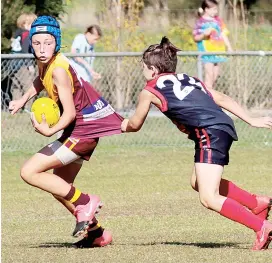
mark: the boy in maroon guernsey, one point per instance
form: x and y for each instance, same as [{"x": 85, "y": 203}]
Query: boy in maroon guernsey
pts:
[
  {"x": 197, "y": 111},
  {"x": 85, "y": 117}
]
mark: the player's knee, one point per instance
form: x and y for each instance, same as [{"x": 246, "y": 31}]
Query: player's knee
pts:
[
  {"x": 206, "y": 201},
  {"x": 27, "y": 174}
]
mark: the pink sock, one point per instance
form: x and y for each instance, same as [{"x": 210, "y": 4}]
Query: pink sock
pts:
[
  {"x": 232, "y": 191},
  {"x": 238, "y": 213}
]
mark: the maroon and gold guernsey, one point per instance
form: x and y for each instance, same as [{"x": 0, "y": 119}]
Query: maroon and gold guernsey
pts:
[{"x": 95, "y": 117}]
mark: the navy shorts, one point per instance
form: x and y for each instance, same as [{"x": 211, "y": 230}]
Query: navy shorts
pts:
[{"x": 211, "y": 145}]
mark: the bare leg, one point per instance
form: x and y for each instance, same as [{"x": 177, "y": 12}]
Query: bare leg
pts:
[
  {"x": 216, "y": 71},
  {"x": 208, "y": 179},
  {"x": 33, "y": 172},
  {"x": 209, "y": 75},
  {"x": 67, "y": 173}
]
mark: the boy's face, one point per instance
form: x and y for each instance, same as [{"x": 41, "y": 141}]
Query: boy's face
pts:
[
  {"x": 92, "y": 38},
  {"x": 148, "y": 73},
  {"x": 44, "y": 47}
]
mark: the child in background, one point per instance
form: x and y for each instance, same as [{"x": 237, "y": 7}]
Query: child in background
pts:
[
  {"x": 82, "y": 44},
  {"x": 20, "y": 42},
  {"x": 210, "y": 34}
]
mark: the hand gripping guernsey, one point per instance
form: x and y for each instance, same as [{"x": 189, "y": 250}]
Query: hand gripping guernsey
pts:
[
  {"x": 95, "y": 117},
  {"x": 189, "y": 105}
]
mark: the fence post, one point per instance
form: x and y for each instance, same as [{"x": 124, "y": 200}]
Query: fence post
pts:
[{"x": 199, "y": 67}]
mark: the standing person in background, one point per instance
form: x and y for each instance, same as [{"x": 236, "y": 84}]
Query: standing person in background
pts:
[
  {"x": 19, "y": 44},
  {"x": 210, "y": 34},
  {"x": 84, "y": 43}
]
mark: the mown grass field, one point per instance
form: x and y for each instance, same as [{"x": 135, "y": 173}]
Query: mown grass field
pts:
[{"x": 149, "y": 206}]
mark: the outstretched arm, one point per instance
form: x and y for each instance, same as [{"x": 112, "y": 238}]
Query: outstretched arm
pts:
[
  {"x": 35, "y": 88},
  {"x": 227, "y": 43},
  {"x": 232, "y": 106},
  {"x": 135, "y": 122}
]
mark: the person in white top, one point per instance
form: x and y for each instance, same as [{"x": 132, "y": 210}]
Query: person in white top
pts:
[{"x": 84, "y": 43}]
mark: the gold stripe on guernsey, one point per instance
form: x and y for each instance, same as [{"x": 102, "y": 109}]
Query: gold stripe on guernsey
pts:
[
  {"x": 76, "y": 196},
  {"x": 60, "y": 61},
  {"x": 72, "y": 146},
  {"x": 74, "y": 142}
]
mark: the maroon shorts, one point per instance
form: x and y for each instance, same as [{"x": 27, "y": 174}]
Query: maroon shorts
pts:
[
  {"x": 82, "y": 147},
  {"x": 69, "y": 148}
]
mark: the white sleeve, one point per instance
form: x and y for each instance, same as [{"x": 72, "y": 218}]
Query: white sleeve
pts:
[{"x": 77, "y": 43}]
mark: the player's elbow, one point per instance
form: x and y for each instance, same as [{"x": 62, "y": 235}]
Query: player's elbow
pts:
[
  {"x": 135, "y": 126},
  {"x": 69, "y": 115}
]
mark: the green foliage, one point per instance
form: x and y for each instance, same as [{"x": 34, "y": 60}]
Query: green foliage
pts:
[
  {"x": 68, "y": 35},
  {"x": 48, "y": 7},
  {"x": 182, "y": 38},
  {"x": 11, "y": 10}
]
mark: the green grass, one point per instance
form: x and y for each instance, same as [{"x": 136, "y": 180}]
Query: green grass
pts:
[
  {"x": 148, "y": 205},
  {"x": 156, "y": 131}
]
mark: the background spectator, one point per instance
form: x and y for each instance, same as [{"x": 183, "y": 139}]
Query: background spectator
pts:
[
  {"x": 210, "y": 34},
  {"x": 19, "y": 44},
  {"x": 84, "y": 43}
]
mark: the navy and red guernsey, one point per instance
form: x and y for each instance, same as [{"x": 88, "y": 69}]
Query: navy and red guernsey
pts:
[{"x": 188, "y": 104}]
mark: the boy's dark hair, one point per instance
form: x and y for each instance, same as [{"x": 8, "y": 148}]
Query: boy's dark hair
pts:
[
  {"x": 94, "y": 28},
  {"x": 162, "y": 56},
  {"x": 206, "y": 4}
]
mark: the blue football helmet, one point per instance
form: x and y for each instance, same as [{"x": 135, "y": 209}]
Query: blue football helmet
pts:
[{"x": 46, "y": 24}]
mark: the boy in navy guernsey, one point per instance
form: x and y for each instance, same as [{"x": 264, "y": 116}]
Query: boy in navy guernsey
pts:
[
  {"x": 197, "y": 112},
  {"x": 85, "y": 117}
]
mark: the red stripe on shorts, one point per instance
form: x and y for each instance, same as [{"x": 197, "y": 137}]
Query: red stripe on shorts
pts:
[
  {"x": 200, "y": 145},
  {"x": 208, "y": 145}
]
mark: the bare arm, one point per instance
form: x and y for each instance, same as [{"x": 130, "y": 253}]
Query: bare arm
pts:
[
  {"x": 65, "y": 92},
  {"x": 135, "y": 122},
  {"x": 81, "y": 60},
  {"x": 94, "y": 74},
  {"x": 35, "y": 88},
  {"x": 227, "y": 42},
  {"x": 198, "y": 38},
  {"x": 232, "y": 106},
  {"x": 203, "y": 36}
]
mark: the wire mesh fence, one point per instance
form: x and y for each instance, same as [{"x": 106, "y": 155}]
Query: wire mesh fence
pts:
[{"x": 245, "y": 76}]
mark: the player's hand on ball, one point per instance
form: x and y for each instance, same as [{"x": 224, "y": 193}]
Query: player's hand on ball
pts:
[
  {"x": 15, "y": 105},
  {"x": 124, "y": 125},
  {"x": 263, "y": 122},
  {"x": 42, "y": 127}
]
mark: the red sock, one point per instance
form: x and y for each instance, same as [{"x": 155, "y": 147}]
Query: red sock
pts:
[
  {"x": 238, "y": 213},
  {"x": 232, "y": 191}
]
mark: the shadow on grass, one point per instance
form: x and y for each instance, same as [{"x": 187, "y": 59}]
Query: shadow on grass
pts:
[
  {"x": 198, "y": 244},
  {"x": 54, "y": 245}
]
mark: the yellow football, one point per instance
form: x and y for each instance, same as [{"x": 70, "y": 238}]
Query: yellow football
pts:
[{"x": 49, "y": 108}]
